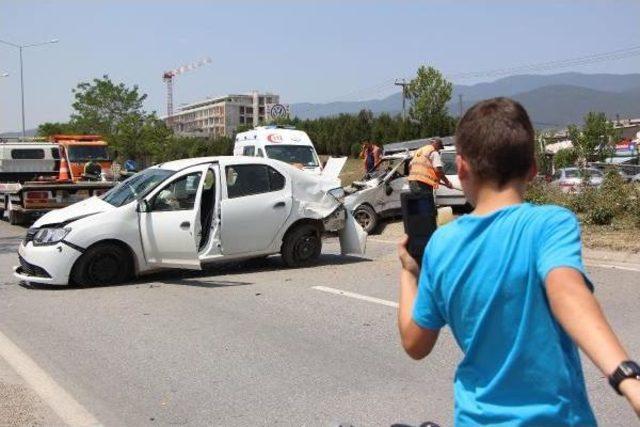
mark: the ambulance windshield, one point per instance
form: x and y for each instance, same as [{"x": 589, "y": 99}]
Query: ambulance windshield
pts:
[{"x": 302, "y": 154}]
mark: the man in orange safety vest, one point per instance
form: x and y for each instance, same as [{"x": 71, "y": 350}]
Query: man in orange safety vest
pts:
[{"x": 426, "y": 172}]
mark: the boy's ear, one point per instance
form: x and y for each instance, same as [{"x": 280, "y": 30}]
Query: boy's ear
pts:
[
  {"x": 463, "y": 167},
  {"x": 533, "y": 171}
]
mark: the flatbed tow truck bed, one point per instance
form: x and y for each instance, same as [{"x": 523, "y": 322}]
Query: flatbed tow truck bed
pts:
[{"x": 34, "y": 198}]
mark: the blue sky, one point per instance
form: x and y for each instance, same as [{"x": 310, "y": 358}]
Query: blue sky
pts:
[{"x": 305, "y": 50}]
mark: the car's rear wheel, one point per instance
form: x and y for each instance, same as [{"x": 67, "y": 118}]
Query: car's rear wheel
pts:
[
  {"x": 301, "y": 246},
  {"x": 366, "y": 217},
  {"x": 103, "y": 264}
]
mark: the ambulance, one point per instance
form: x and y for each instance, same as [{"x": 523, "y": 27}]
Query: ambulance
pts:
[{"x": 283, "y": 143}]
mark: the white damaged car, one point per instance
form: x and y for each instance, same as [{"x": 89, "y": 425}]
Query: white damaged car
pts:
[
  {"x": 378, "y": 194},
  {"x": 186, "y": 213}
]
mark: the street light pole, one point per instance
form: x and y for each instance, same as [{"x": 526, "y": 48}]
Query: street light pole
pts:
[
  {"x": 22, "y": 92},
  {"x": 20, "y": 47}
]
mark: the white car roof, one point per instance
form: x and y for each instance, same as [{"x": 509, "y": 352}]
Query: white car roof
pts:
[
  {"x": 176, "y": 165},
  {"x": 261, "y": 134}
]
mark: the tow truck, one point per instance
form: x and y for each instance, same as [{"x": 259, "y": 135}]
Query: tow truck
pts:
[{"x": 39, "y": 176}]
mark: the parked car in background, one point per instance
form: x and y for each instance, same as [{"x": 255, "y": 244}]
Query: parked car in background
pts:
[
  {"x": 187, "y": 213},
  {"x": 377, "y": 195},
  {"x": 573, "y": 179}
]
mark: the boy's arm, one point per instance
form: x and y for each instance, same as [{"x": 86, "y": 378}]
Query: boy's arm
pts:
[
  {"x": 576, "y": 309},
  {"x": 416, "y": 341}
]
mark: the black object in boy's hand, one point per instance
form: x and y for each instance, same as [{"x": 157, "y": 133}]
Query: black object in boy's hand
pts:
[{"x": 419, "y": 218}]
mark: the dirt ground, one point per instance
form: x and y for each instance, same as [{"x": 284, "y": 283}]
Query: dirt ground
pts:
[{"x": 606, "y": 237}]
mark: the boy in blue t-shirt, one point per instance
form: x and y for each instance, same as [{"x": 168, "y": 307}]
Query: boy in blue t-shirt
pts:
[{"x": 509, "y": 281}]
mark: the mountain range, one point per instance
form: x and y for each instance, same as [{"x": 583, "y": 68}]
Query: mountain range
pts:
[{"x": 552, "y": 100}]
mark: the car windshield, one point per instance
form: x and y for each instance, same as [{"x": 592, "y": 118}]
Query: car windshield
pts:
[
  {"x": 80, "y": 153},
  {"x": 302, "y": 154},
  {"x": 449, "y": 163},
  {"x": 136, "y": 187}
]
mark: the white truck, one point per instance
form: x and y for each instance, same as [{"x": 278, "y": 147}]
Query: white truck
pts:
[{"x": 283, "y": 143}]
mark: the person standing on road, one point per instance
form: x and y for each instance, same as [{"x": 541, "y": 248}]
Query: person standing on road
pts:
[
  {"x": 426, "y": 172},
  {"x": 509, "y": 281}
]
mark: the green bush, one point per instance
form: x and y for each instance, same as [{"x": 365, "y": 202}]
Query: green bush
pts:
[
  {"x": 565, "y": 158},
  {"x": 600, "y": 215},
  {"x": 355, "y": 150},
  {"x": 614, "y": 202}
]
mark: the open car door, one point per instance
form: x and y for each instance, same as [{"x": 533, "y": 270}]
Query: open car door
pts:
[{"x": 169, "y": 220}]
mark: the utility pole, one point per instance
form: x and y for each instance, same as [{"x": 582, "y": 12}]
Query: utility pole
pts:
[
  {"x": 20, "y": 47},
  {"x": 404, "y": 84},
  {"x": 460, "y": 109}
]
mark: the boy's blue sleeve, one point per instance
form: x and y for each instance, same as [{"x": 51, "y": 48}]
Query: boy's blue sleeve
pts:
[
  {"x": 426, "y": 312},
  {"x": 559, "y": 244}
]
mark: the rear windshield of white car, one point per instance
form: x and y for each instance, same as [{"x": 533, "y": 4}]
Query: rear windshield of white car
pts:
[
  {"x": 302, "y": 154},
  {"x": 136, "y": 187}
]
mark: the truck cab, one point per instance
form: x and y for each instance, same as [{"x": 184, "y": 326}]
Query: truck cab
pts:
[
  {"x": 282, "y": 143},
  {"x": 78, "y": 150}
]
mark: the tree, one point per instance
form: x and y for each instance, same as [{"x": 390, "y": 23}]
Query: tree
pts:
[
  {"x": 101, "y": 106},
  {"x": 429, "y": 92},
  {"x": 55, "y": 128},
  {"x": 595, "y": 141},
  {"x": 564, "y": 158}
]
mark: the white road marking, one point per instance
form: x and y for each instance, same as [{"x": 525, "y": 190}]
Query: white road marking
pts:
[
  {"x": 612, "y": 266},
  {"x": 356, "y": 296},
  {"x": 62, "y": 403}
]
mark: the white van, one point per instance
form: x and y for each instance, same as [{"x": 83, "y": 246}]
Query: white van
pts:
[{"x": 282, "y": 143}]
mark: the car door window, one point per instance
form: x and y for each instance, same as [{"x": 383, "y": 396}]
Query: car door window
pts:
[
  {"x": 245, "y": 180},
  {"x": 276, "y": 180},
  {"x": 179, "y": 195},
  {"x": 249, "y": 150}
]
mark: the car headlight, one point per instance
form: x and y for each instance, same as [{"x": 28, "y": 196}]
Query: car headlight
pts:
[
  {"x": 338, "y": 194},
  {"x": 50, "y": 236}
]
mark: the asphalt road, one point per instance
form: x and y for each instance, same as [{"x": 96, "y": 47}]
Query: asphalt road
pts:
[{"x": 251, "y": 344}]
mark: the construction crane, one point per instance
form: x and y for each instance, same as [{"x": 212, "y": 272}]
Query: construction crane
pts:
[{"x": 168, "y": 76}]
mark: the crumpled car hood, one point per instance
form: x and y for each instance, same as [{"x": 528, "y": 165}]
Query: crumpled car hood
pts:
[
  {"x": 91, "y": 206},
  {"x": 312, "y": 200},
  {"x": 310, "y": 194}
]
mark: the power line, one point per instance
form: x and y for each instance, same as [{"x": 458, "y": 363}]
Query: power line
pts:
[{"x": 556, "y": 64}]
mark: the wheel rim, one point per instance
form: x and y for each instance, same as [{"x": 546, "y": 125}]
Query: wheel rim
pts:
[
  {"x": 363, "y": 218},
  {"x": 306, "y": 247},
  {"x": 104, "y": 268}
]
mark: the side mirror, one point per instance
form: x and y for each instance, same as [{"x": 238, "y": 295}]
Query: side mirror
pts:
[{"x": 143, "y": 206}]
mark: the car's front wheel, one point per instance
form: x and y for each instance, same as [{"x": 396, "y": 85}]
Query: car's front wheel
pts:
[
  {"x": 102, "y": 264},
  {"x": 366, "y": 217},
  {"x": 301, "y": 246}
]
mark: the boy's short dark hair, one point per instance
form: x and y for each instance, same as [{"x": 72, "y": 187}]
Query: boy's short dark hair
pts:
[{"x": 497, "y": 139}]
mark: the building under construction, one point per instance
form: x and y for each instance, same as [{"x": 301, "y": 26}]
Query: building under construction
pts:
[{"x": 221, "y": 116}]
